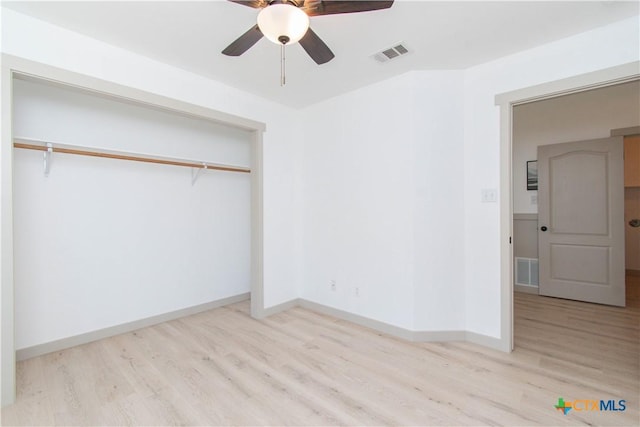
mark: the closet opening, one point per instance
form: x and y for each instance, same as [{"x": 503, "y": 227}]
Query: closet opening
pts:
[{"x": 120, "y": 209}]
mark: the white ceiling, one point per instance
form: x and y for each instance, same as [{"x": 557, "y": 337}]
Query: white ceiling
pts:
[{"x": 442, "y": 35}]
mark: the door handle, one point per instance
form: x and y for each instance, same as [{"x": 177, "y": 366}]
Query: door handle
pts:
[
  {"x": 634, "y": 223},
  {"x": 543, "y": 228}
]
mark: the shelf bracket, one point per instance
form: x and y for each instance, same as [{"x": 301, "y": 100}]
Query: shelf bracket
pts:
[
  {"x": 48, "y": 157},
  {"x": 196, "y": 172}
]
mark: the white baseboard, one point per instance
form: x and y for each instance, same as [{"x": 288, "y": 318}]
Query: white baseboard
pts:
[
  {"x": 439, "y": 336},
  {"x": 61, "y": 344},
  {"x": 279, "y": 307},
  {"x": 385, "y": 328},
  {"x": 526, "y": 289},
  {"x": 406, "y": 334},
  {"x": 487, "y": 341}
]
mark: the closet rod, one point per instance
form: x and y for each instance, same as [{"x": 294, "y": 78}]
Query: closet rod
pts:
[{"x": 127, "y": 156}]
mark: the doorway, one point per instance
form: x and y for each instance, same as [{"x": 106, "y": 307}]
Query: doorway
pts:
[
  {"x": 506, "y": 102},
  {"x": 585, "y": 115}
]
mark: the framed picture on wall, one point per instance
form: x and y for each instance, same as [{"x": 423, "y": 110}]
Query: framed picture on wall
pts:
[{"x": 532, "y": 175}]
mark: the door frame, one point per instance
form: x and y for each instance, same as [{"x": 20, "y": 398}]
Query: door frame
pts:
[
  {"x": 506, "y": 101},
  {"x": 15, "y": 67}
]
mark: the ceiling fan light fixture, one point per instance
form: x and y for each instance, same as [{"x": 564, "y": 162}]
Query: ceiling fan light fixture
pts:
[{"x": 283, "y": 23}]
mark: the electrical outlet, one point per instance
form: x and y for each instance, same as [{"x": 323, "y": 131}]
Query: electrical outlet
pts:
[
  {"x": 332, "y": 283},
  {"x": 489, "y": 195},
  {"x": 534, "y": 199},
  {"x": 357, "y": 291}
]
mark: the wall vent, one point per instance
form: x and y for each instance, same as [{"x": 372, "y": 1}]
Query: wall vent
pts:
[
  {"x": 391, "y": 53},
  {"x": 527, "y": 271}
]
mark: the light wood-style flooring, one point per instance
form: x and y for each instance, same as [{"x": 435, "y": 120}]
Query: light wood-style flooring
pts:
[{"x": 303, "y": 368}]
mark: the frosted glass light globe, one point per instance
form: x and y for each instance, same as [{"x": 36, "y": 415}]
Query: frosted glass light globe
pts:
[{"x": 280, "y": 20}]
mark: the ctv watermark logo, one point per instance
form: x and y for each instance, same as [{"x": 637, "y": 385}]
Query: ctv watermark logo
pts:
[{"x": 580, "y": 405}]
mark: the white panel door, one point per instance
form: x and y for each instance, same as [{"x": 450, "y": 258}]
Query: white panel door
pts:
[{"x": 581, "y": 221}]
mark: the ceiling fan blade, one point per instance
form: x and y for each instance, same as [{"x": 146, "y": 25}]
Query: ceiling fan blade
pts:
[
  {"x": 316, "y": 48},
  {"x": 332, "y": 7},
  {"x": 256, "y": 4},
  {"x": 244, "y": 42}
]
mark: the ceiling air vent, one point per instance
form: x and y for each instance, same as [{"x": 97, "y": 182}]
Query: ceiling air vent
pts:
[{"x": 391, "y": 53}]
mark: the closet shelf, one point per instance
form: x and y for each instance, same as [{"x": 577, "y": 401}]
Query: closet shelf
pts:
[{"x": 31, "y": 144}]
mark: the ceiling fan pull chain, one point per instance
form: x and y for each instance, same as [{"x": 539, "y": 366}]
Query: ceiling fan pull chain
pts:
[{"x": 282, "y": 66}]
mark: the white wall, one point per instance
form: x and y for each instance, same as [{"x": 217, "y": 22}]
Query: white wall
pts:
[
  {"x": 358, "y": 202},
  {"x": 383, "y": 197},
  {"x": 352, "y": 236},
  {"x": 57, "y": 114},
  {"x": 601, "y": 48},
  {"x": 42, "y": 42},
  {"x": 586, "y": 115},
  {"x": 100, "y": 242},
  {"x": 438, "y": 108}
]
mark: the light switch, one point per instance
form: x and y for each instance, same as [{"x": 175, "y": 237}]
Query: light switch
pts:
[{"x": 489, "y": 195}]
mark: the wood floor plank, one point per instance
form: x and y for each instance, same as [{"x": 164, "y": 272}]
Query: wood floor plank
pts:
[{"x": 300, "y": 367}]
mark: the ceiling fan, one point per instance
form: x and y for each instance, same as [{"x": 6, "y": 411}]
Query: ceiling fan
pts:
[{"x": 287, "y": 21}]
